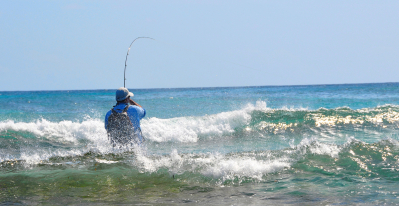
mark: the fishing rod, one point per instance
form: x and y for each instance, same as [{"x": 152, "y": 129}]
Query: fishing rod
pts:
[{"x": 124, "y": 74}]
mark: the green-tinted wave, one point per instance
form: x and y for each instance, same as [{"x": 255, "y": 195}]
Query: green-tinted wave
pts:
[{"x": 277, "y": 121}]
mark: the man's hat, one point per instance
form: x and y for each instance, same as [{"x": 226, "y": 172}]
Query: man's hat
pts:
[{"x": 122, "y": 93}]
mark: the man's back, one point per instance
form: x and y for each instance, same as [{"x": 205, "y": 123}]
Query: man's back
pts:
[{"x": 134, "y": 114}]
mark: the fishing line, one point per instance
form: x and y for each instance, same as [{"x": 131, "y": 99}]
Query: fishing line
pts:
[{"x": 124, "y": 74}]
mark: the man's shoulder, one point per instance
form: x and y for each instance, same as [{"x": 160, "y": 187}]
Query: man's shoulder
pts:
[
  {"x": 134, "y": 107},
  {"x": 109, "y": 112}
]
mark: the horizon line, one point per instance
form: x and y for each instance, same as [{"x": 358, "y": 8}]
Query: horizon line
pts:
[{"x": 209, "y": 87}]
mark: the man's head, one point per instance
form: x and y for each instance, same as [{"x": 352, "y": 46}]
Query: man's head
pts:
[{"x": 122, "y": 94}]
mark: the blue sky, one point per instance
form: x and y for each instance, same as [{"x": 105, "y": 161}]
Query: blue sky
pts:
[{"x": 76, "y": 45}]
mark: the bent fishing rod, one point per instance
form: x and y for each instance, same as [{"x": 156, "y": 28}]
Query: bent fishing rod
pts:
[{"x": 124, "y": 74}]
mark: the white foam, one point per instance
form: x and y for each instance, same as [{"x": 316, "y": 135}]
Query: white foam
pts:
[
  {"x": 32, "y": 157},
  {"x": 188, "y": 129},
  {"x": 64, "y": 131},
  {"x": 316, "y": 147},
  {"x": 244, "y": 167},
  {"x": 80, "y": 137},
  {"x": 181, "y": 129},
  {"x": 225, "y": 167},
  {"x": 106, "y": 161},
  {"x": 77, "y": 138}
]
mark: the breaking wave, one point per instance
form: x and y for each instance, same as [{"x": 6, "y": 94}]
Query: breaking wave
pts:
[{"x": 301, "y": 132}]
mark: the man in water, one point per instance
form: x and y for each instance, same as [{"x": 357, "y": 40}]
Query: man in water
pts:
[{"x": 123, "y": 121}]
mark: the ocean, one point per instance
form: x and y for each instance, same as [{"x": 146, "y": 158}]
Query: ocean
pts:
[{"x": 267, "y": 145}]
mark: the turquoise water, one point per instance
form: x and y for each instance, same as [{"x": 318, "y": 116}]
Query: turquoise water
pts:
[{"x": 312, "y": 145}]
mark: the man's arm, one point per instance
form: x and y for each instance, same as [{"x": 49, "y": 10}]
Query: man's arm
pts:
[
  {"x": 106, "y": 121},
  {"x": 134, "y": 103}
]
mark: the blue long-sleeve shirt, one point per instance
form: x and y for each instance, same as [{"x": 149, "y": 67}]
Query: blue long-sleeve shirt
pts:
[{"x": 135, "y": 114}]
